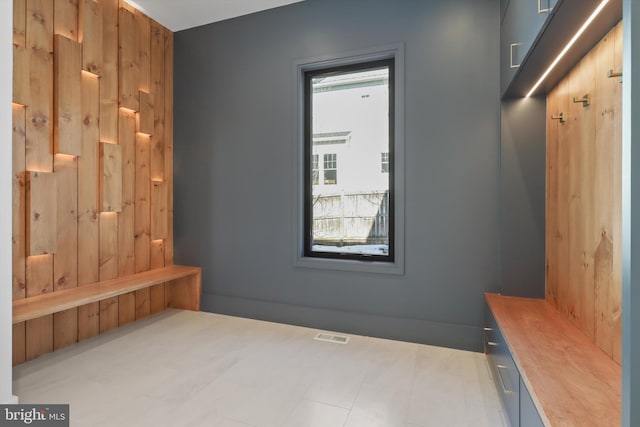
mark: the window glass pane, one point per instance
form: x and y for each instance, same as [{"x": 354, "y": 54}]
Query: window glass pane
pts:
[{"x": 349, "y": 131}]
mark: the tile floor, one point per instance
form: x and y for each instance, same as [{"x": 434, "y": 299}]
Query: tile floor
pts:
[{"x": 182, "y": 368}]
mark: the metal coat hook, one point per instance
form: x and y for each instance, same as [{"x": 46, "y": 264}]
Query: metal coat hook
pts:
[
  {"x": 558, "y": 117},
  {"x": 585, "y": 100},
  {"x": 612, "y": 74}
]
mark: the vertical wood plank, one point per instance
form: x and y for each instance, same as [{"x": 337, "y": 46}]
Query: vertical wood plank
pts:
[
  {"x": 108, "y": 267},
  {"x": 168, "y": 144},
  {"x": 90, "y": 35},
  {"x": 19, "y": 343},
  {"x": 65, "y": 271},
  {"x": 110, "y": 177},
  {"x": 126, "y": 308},
  {"x": 88, "y": 224},
  {"x": 159, "y": 220},
  {"x": 128, "y": 46},
  {"x": 39, "y": 140},
  {"x": 143, "y": 303},
  {"x": 19, "y": 22},
  {"x": 39, "y": 332},
  {"x": 109, "y": 79},
  {"x": 616, "y": 280},
  {"x": 126, "y": 218},
  {"x": 42, "y": 211},
  {"x": 65, "y": 328},
  {"x": 142, "y": 204},
  {"x": 157, "y": 292},
  {"x": 143, "y": 29},
  {"x": 88, "y": 169},
  {"x": 551, "y": 242},
  {"x": 562, "y": 236},
  {"x": 21, "y": 75},
  {"x": 144, "y": 118},
  {"x": 67, "y": 96},
  {"x": 157, "y": 99},
  {"x": 603, "y": 193},
  {"x": 19, "y": 201},
  {"x": 66, "y": 18}
]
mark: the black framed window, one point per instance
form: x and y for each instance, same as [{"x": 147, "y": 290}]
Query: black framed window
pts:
[{"x": 348, "y": 202}]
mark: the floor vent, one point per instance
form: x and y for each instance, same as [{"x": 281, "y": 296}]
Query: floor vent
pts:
[{"x": 338, "y": 339}]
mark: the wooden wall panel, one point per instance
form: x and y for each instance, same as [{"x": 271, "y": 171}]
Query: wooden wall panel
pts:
[
  {"x": 21, "y": 75},
  {"x": 126, "y": 218},
  {"x": 19, "y": 22},
  {"x": 75, "y": 63},
  {"x": 39, "y": 37},
  {"x": 18, "y": 214},
  {"x": 144, "y": 117},
  {"x": 90, "y": 35},
  {"x": 128, "y": 48},
  {"x": 110, "y": 177},
  {"x": 66, "y": 18},
  {"x": 67, "y": 96},
  {"x": 168, "y": 143},
  {"x": 42, "y": 211},
  {"x": 159, "y": 196},
  {"x": 109, "y": 76},
  {"x": 583, "y": 197}
]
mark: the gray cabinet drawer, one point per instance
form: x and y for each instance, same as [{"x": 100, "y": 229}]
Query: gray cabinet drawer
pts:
[{"x": 529, "y": 416}]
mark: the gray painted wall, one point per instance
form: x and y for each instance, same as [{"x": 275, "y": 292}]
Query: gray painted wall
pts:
[
  {"x": 235, "y": 131},
  {"x": 522, "y": 185}
]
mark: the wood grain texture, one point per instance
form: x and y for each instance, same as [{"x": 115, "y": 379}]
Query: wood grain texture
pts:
[
  {"x": 584, "y": 197},
  {"x": 66, "y": 18},
  {"x": 67, "y": 96},
  {"x": 88, "y": 181},
  {"x": 572, "y": 382},
  {"x": 21, "y": 75},
  {"x": 39, "y": 332},
  {"x": 90, "y": 35},
  {"x": 184, "y": 293},
  {"x": 39, "y": 139},
  {"x": 126, "y": 218},
  {"x": 615, "y": 300},
  {"x": 110, "y": 177},
  {"x": 143, "y": 303},
  {"x": 65, "y": 271},
  {"x": 108, "y": 289},
  {"x": 42, "y": 210},
  {"x": 39, "y": 337},
  {"x": 159, "y": 221},
  {"x": 109, "y": 314},
  {"x": 126, "y": 308},
  {"x": 157, "y": 292},
  {"x": 142, "y": 205},
  {"x": 144, "y": 118},
  {"x": 19, "y": 22},
  {"x": 109, "y": 79},
  {"x": 65, "y": 328},
  {"x": 143, "y": 30},
  {"x": 19, "y": 343},
  {"x": 158, "y": 37},
  {"x": 128, "y": 60},
  {"x": 88, "y": 320},
  {"x": 168, "y": 143},
  {"x": 19, "y": 202},
  {"x": 108, "y": 245}
]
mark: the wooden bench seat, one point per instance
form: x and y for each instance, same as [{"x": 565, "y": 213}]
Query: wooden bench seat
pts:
[
  {"x": 183, "y": 292},
  {"x": 572, "y": 382}
]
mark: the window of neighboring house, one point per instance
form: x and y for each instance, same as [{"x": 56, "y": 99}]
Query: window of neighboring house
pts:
[
  {"x": 330, "y": 169},
  {"x": 384, "y": 162},
  {"x": 315, "y": 172},
  {"x": 349, "y": 110}
]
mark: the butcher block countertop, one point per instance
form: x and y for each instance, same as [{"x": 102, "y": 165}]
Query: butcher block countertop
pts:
[{"x": 572, "y": 382}]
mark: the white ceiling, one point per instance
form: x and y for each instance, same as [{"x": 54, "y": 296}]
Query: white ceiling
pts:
[{"x": 183, "y": 14}]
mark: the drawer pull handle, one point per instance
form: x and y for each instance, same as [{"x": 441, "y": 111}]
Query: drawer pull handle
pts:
[
  {"x": 511, "y": 64},
  {"x": 541, "y": 10},
  {"x": 493, "y": 344},
  {"x": 488, "y": 329},
  {"x": 505, "y": 390}
]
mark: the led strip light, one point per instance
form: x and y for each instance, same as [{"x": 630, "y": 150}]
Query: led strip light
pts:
[{"x": 568, "y": 46}]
